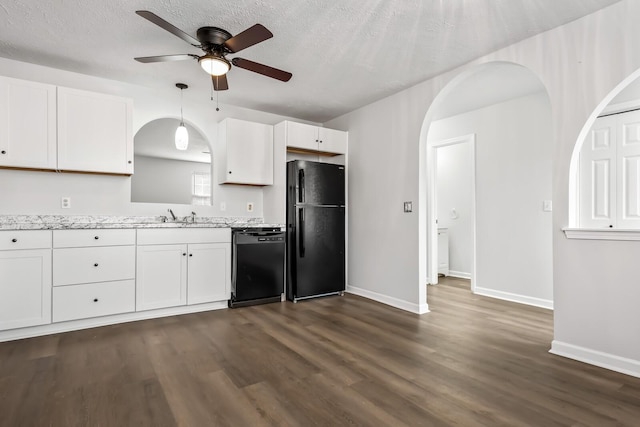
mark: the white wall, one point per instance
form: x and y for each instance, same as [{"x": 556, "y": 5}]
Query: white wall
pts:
[
  {"x": 596, "y": 316},
  {"x": 23, "y": 192},
  {"x": 513, "y": 177},
  {"x": 164, "y": 179},
  {"x": 454, "y": 193}
]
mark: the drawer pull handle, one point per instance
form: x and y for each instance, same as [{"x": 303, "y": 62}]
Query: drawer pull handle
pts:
[
  {"x": 14, "y": 240},
  {"x": 96, "y": 237},
  {"x": 95, "y": 300},
  {"x": 95, "y": 265}
]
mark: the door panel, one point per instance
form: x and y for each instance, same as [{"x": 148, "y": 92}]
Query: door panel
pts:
[
  {"x": 319, "y": 183},
  {"x": 320, "y": 261},
  {"x": 598, "y": 175}
]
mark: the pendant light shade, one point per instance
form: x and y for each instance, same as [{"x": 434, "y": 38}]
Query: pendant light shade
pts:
[{"x": 182, "y": 136}]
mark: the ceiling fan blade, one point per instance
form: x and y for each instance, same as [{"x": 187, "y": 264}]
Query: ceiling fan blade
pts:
[
  {"x": 247, "y": 38},
  {"x": 265, "y": 70},
  {"x": 220, "y": 82},
  {"x": 165, "y": 58},
  {"x": 150, "y": 16}
]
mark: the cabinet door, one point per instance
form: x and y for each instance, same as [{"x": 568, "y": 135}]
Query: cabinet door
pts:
[
  {"x": 248, "y": 152},
  {"x": 209, "y": 273},
  {"x": 332, "y": 141},
  {"x": 27, "y": 124},
  {"x": 94, "y": 132},
  {"x": 161, "y": 276},
  {"x": 302, "y": 136},
  {"x": 25, "y": 288}
]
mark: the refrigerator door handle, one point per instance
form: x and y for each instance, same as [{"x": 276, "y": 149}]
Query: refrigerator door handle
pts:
[
  {"x": 301, "y": 186},
  {"x": 301, "y": 232}
]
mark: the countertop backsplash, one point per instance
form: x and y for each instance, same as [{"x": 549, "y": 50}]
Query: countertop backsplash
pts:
[{"x": 69, "y": 222}]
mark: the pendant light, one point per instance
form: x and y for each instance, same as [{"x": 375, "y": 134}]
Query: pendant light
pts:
[{"x": 182, "y": 136}]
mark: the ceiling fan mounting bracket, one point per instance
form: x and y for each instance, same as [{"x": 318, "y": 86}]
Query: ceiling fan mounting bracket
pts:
[{"x": 212, "y": 38}]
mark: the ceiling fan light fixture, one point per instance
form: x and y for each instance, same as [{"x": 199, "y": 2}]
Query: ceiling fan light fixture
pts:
[{"x": 214, "y": 65}]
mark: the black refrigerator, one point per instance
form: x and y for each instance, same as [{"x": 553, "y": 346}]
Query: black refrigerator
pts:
[{"x": 315, "y": 229}]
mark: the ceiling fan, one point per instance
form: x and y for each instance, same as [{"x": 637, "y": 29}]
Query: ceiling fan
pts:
[{"x": 217, "y": 44}]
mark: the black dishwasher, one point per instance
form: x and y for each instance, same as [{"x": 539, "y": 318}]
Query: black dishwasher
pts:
[{"x": 257, "y": 272}]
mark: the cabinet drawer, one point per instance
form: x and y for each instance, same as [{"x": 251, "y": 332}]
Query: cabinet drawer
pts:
[
  {"x": 25, "y": 239},
  {"x": 93, "y": 300},
  {"x": 177, "y": 236},
  {"x": 88, "y": 265},
  {"x": 85, "y": 238}
]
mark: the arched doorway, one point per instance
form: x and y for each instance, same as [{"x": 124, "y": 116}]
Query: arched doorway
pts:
[{"x": 507, "y": 109}]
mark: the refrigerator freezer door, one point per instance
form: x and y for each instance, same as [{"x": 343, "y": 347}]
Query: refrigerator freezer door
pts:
[
  {"x": 319, "y": 257},
  {"x": 319, "y": 184}
]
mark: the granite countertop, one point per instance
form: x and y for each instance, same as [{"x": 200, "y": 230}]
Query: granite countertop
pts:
[{"x": 79, "y": 222}]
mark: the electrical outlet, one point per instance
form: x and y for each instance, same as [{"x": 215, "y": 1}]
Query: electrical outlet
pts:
[
  {"x": 223, "y": 206},
  {"x": 250, "y": 207},
  {"x": 65, "y": 202}
]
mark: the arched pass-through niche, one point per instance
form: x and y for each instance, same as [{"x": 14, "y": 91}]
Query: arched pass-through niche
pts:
[{"x": 603, "y": 202}]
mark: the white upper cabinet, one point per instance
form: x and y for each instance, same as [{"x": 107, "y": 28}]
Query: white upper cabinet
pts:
[
  {"x": 94, "y": 132},
  {"x": 27, "y": 124},
  {"x": 314, "y": 139},
  {"x": 245, "y": 152}
]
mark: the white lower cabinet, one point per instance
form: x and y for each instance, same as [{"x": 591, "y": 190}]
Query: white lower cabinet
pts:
[
  {"x": 161, "y": 276},
  {"x": 25, "y": 288},
  {"x": 92, "y": 280},
  {"x": 93, "y": 300},
  {"x": 208, "y": 268},
  {"x": 178, "y": 267}
]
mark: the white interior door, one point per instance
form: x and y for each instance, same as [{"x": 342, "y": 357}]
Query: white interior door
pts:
[
  {"x": 628, "y": 164},
  {"x": 598, "y": 175}
]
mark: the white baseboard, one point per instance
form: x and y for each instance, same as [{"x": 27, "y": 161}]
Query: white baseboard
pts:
[
  {"x": 74, "y": 325},
  {"x": 522, "y": 299},
  {"x": 460, "y": 274},
  {"x": 393, "y": 302},
  {"x": 597, "y": 358}
]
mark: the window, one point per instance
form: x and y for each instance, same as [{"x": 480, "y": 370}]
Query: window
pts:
[{"x": 201, "y": 189}]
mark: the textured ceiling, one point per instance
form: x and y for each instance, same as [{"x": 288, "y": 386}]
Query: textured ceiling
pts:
[{"x": 343, "y": 54}]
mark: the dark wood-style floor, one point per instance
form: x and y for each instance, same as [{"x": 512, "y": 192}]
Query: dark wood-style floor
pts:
[{"x": 332, "y": 361}]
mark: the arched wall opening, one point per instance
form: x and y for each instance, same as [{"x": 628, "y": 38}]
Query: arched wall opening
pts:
[
  {"x": 611, "y": 104},
  {"x": 507, "y": 109}
]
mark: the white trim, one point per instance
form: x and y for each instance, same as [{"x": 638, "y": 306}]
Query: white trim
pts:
[
  {"x": 522, "y": 299},
  {"x": 432, "y": 186},
  {"x": 459, "y": 274},
  {"x": 597, "y": 358},
  {"x": 601, "y": 234},
  {"x": 421, "y": 308},
  {"x": 74, "y": 325}
]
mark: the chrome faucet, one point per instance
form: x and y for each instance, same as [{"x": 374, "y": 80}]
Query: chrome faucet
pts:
[{"x": 172, "y": 214}]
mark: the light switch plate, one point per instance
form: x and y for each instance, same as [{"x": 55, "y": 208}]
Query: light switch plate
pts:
[
  {"x": 546, "y": 205},
  {"x": 408, "y": 206}
]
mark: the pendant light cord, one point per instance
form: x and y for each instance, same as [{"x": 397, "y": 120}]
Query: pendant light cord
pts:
[{"x": 181, "y": 102}]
